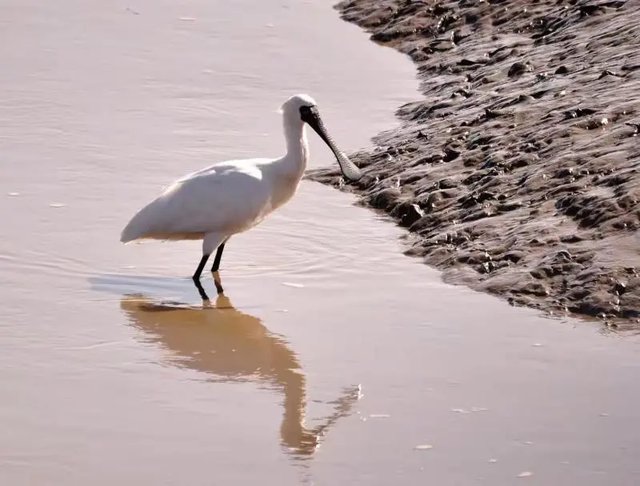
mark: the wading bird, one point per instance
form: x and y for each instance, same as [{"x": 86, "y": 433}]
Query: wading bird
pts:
[{"x": 230, "y": 197}]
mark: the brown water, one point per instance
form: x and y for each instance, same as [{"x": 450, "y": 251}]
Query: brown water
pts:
[{"x": 334, "y": 359}]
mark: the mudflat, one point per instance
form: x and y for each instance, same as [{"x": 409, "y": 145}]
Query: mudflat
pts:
[{"x": 518, "y": 170}]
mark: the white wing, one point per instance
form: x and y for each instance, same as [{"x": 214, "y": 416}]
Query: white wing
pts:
[{"x": 227, "y": 197}]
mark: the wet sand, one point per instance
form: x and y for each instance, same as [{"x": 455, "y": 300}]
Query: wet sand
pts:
[
  {"x": 518, "y": 170},
  {"x": 333, "y": 358}
]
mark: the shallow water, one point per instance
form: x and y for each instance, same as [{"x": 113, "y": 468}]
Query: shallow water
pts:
[{"x": 333, "y": 358}]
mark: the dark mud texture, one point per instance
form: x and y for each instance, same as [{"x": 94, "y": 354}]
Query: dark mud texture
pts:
[{"x": 518, "y": 170}]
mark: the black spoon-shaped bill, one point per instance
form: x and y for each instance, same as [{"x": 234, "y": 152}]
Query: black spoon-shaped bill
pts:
[{"x": 310, "y": 115}]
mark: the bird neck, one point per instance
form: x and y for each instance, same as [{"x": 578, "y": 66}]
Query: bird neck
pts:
[{"x": 297, "y": 146}]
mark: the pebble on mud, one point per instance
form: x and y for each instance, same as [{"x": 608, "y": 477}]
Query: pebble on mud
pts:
[{"x": 519, "y": 68}]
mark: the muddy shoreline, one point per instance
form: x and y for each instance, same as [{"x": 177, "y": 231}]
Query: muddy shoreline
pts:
[{"x": 517, "y": 173}]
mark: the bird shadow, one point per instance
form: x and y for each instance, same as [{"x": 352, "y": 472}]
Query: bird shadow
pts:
[
  {"x": 178, "y": 290},
  {"x": 231, "y": 346}
]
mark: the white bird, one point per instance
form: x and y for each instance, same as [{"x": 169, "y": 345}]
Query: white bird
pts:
[{"x": 230, "y": 197}]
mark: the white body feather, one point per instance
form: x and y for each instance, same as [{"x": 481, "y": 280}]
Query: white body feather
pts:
[{"x": 226, "y": 198}]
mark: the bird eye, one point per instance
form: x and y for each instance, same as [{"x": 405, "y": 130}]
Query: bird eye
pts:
[{"x": 306, "y": 113}]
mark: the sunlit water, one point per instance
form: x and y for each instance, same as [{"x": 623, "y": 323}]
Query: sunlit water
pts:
[{"x": 333, "y": 359}]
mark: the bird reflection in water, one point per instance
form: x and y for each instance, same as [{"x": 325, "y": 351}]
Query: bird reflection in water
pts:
[{"x": 235, "y": 346}]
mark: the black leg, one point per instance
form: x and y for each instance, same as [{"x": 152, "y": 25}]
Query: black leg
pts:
[
  {"x": 216, "y": 260},
  {"x": 203, "y": 262},
  {"x": 215, "y": 267},
  {"x": 196, "y": 277},
  {"x": 201, "y": 291}
]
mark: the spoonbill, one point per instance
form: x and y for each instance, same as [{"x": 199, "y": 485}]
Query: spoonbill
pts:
[{"x": 230, "y": 197}]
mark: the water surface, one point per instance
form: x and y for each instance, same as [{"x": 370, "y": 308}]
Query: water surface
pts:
[{"x": 332, "y": 359}]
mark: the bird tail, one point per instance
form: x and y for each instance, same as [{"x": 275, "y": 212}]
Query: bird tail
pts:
[
  {"x": 144, "y": 223},
  {"x": 127, "y": 234},
  {"x": 133, "y": 230}
]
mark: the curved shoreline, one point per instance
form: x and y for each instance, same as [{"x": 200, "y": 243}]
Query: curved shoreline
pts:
[{"x": 519, "y": 169}]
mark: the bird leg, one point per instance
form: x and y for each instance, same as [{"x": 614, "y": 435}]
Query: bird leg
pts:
[
  {"x": 196, "y": 277},
  {"x": 201, "y": 291},
  {"x": 215, "y": 267}
]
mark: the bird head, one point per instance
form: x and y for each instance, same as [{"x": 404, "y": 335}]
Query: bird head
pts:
[{"x": 302, "y": 108}]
